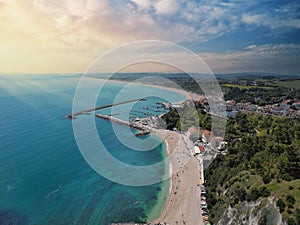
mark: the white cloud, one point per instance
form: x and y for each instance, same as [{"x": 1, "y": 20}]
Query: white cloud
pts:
[
  {"x": 275, "y": 49},
  {"x": 281, "y": 58},
  {"x": 88, "y": 22},
  {"x": 80, "y": 21},
  {"x": 250, "y": 47},
  {"x": 252, "y": 19},
  {"x": 167, "y": 7},
  {"x": 91, "y": 27},
  {"x": 285, "y": 16}
]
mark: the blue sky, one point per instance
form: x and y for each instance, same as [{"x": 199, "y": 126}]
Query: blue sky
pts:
[{"x": 231, "y": 36}]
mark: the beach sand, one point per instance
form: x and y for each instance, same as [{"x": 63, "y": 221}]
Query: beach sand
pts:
[
  {"x": 183, "y": 203},
  {"x": 187, "y": 94}
]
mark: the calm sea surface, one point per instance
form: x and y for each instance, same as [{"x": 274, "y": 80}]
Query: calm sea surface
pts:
[{"x": 43, "y": 176}]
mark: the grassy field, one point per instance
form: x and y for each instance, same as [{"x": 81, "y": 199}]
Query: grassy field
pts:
[
  {"x": 290, "y": 84},
  {"x": 284, "y": 189},
  {"x": 245, "y": 86}
]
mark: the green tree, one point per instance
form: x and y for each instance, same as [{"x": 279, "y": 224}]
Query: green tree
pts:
[{"x": 281, "y": 205}]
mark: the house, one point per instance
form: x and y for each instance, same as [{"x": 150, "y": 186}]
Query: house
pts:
[
  {"x": 196, "y": 150},
  {"x": 296, "y": 104},
  {"x": 206, "y": 136},
  {"x": 196, "y": 133},
  {"x": 201, "y": 149},
  {"x": 222, "y": 145}
]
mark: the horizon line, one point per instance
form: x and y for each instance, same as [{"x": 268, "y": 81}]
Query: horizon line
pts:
[{"x": 174, "y": 73}]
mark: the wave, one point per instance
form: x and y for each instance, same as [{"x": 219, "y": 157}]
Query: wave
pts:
[{"x": 53, "y": 192}]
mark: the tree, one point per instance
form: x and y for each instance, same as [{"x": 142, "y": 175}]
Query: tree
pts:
[
  {"x": 290, "y": 199},
  {"x": 266, "y": 178},
  {"x": 281, "y": 205}
]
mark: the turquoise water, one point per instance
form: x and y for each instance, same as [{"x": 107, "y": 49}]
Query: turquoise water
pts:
[{"x": 44, "y": 178}]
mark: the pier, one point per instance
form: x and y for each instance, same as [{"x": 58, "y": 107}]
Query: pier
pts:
[
  {"x": 143, "y": 129},
  {"x": 73, "y": 116}
]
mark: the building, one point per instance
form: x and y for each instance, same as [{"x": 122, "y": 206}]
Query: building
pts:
[{"x": 206, "y": 136}]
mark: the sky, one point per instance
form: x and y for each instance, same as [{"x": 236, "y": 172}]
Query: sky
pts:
[{"x": 67, "y": 36}]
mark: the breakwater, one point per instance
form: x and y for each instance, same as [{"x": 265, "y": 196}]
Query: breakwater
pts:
[
  {"x": 73, "y": 115},
  {"x": 136, "y": 125}
]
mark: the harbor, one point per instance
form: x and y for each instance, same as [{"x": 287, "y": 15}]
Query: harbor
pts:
[
  {"x": 73, "y": 115},
  {"x": 181, "y": 207},
  {"x": 137, "y": 119}
]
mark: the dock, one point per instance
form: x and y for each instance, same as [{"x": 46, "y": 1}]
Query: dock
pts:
[
  {"x": 144, "y": 130},
  {"x": 73, "y": 116}
]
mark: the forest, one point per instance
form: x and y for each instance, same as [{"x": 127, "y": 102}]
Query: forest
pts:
[{"x": 263, "y": 160}]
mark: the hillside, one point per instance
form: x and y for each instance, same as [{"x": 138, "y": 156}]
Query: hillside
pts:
[{"x": 258, "y": 181}]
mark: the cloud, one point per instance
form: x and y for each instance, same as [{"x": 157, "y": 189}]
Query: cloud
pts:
[
  {"x": 255, "y": 19},
  {"x": 272, "y": 22},
  {"x": 285, "y": 15},
  {"x": 143, "y": 4},
  {"x": 87, "y": 28},
  {"x": 275, "y": 58},
  {"x": 280, "y": 58},
  {"x": 86, "y": 21},
  {"x": 274, "y": 49},
  {"x": 167, "y": 7},
  {"x": 251, "y": 47}
]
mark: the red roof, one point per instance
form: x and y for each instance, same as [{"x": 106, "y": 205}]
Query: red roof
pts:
[
  {"x": 201, "y": 148},
  {"x": 206, "y": 133}
]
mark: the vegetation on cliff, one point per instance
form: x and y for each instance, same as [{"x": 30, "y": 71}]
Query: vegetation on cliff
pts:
[{"x": 263, "y": 161}]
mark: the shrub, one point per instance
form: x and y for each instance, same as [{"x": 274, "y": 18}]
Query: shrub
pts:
[
  {"x": 241, "y": 194},
  {"x": 266, "y": 178},
  {"x": 281, "y": 205},
  {"x": 264, "y": 192},
  {"x": 298, "y": 216},
  {"x": 290, "y": 199},
  {"x": 291, "y": 221},
  {"x": 236, "y": 200}
]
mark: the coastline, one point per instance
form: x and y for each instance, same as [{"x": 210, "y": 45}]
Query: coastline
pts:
[
  {"x": 183, "y": 201},
  {"x": 186, "y": 94},
  {"x": 182, "y": 204}
]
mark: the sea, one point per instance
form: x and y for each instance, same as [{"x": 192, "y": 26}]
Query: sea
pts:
[{"x": 44, "y": 179}]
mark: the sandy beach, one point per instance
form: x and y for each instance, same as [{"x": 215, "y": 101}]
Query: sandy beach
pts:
[
  {"x": 183, "y": 203},
  {"x": 188, "y": 95}
]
